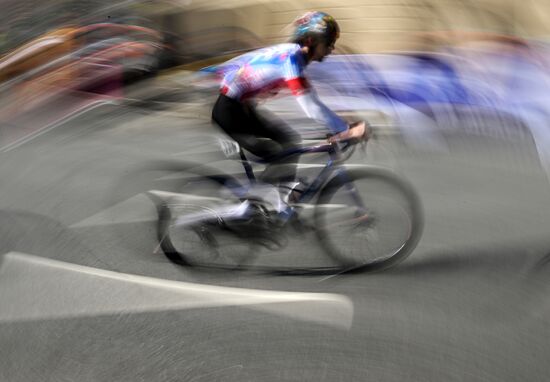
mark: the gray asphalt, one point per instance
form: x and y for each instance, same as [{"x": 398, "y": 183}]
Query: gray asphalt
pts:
[{"x": 470, "y": 304}]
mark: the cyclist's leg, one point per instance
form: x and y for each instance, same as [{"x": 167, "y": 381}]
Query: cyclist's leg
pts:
[
  {"x": 271, "y": 127},
  {"x": 242, "y": 123},
  {"x": 234, "y": 119}
]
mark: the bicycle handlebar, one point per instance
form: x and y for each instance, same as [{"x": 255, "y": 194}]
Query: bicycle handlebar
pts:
[{"x": 343, "y": 148}]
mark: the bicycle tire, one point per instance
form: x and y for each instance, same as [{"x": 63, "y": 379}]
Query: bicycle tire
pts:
[
  {"x": 188, "y": 244},
  {"x": 338, "y": 245}
]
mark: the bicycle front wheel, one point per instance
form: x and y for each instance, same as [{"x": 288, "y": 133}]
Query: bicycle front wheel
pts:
[{"x": 368, "y": 219}]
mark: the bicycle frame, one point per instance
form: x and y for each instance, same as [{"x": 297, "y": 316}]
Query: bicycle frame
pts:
[
  {"x": 333, "y": 188},
  {"x": 332, "y": 166}
]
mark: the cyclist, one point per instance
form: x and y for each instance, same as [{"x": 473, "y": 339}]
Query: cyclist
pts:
[{"x": 263, "y": 72}]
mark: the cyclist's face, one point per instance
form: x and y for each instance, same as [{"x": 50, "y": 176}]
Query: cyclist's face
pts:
[{"x": 323, "y": 49}]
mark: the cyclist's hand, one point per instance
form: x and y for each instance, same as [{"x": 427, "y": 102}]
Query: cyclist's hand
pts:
[
  {"x": 363, "y": 130},
  {"x": 358, "y": 130}
]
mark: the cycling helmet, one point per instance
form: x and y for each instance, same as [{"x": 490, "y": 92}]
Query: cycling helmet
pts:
[{"x": 318, "y": 25}]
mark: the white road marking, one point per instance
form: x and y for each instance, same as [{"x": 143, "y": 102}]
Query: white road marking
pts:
[
  {"x": 137, "y": 209},
  {"x": 35, "y": 288}
]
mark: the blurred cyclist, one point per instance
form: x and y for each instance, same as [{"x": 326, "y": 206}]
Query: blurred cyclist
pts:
[{"x": 261, "y": 73}]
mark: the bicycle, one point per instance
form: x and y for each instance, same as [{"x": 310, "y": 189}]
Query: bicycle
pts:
[{"x": 209, "y": 222}]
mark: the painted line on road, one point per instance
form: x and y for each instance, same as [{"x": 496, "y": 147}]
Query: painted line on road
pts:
[
  {"x": 36, "y": 288},
  {"x": 138, "y": 209}
]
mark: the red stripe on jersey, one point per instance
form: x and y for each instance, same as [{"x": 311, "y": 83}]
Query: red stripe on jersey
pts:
[{"x": 297, "y": 85}]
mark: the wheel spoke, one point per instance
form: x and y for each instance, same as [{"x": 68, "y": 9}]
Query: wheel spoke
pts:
[{"x": 375, "y": 220}]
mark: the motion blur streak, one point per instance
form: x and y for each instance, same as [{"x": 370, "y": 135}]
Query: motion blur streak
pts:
[
  {"x": 97, "y": 96},
  {"x": 34, "y": 288}
]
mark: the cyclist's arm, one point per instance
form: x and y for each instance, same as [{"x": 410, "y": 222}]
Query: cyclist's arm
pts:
[
  {"x": 358, "y": 130},
  {"x": 313, "y": 107}
]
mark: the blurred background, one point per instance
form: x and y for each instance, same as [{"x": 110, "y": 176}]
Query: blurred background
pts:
[
  {"x": 92, "y": 92},
  {"x": 447, "y": 60}
]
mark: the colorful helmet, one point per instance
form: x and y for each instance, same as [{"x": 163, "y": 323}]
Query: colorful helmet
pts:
[{"x": 317, "y": 24}]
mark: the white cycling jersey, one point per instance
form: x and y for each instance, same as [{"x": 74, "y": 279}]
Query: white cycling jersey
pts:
[{"x": 265, "y": 71}]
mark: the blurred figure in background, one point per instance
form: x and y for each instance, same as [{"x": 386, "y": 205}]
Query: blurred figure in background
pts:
[{"x": 262, "y": 73}]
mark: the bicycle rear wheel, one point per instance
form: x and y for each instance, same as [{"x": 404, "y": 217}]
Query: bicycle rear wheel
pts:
[
  {"x": 368, "y": 219},
  {"x": 192, "y": 226}
]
